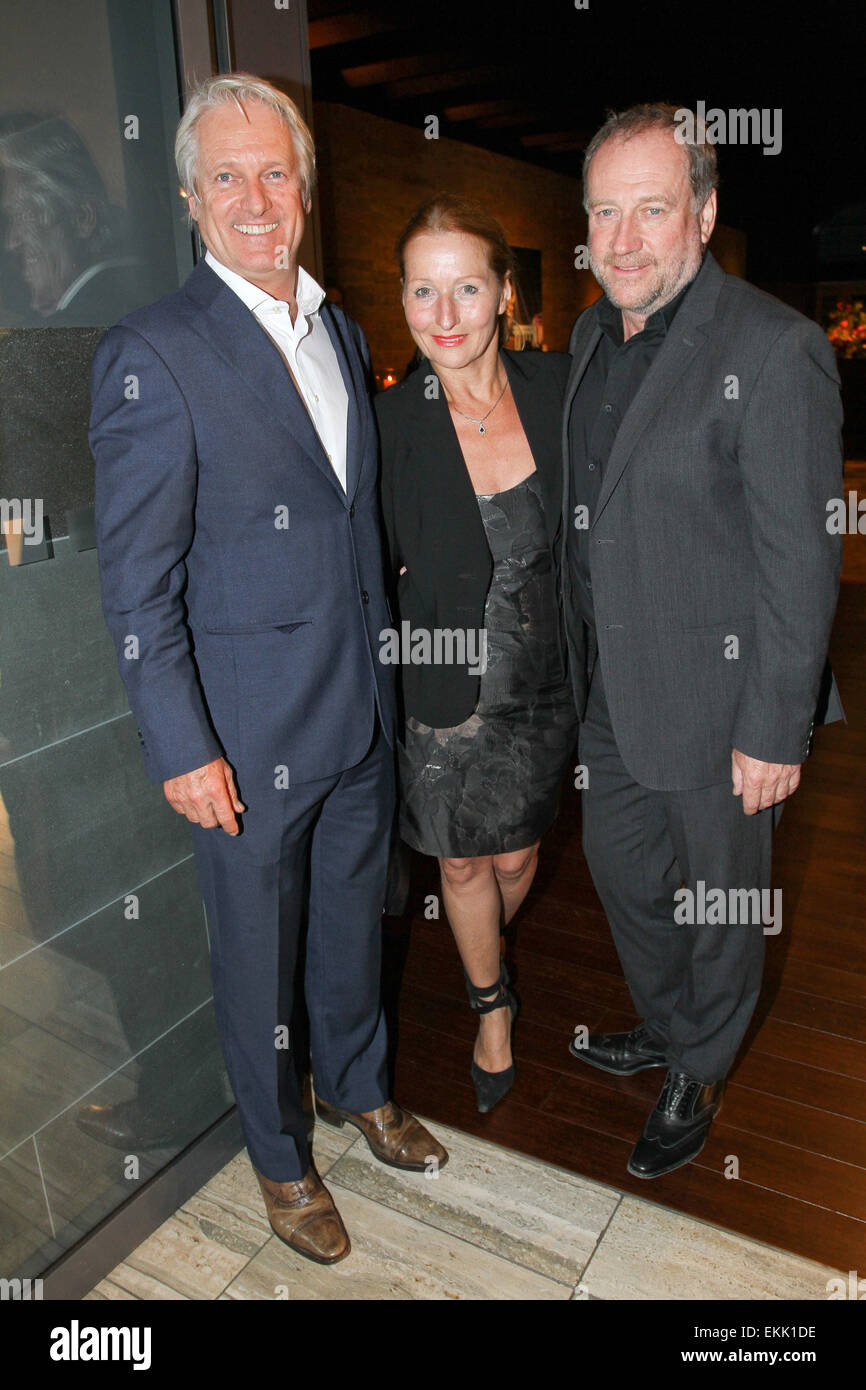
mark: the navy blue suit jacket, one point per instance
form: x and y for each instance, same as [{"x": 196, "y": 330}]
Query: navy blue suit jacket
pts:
[{"x": 243, "y": 588}]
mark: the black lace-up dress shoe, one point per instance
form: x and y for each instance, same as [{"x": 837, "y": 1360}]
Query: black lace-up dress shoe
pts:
[
  {"x": 621, "y": 1053},
  {"x": 677, "y": 1128}
]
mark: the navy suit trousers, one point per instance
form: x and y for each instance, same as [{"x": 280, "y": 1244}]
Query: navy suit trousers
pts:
[{"x": 334, "y": 857}]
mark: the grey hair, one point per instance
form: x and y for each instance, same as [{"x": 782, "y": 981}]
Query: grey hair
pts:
[
  {"x": 659, "y": 115},
  {"x": 58, "y": 174},
  {"x": 239, "y": 87}
]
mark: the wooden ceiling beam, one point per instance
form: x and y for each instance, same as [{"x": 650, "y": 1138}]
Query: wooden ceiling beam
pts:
[
  {"x": 346, "y": 28},
  {"x": 374, "y": 74},
  {"x": 550, "y": 140},
  {"x": 527, "y": 115},
  {"x": 476, "y": 110},
  {"x": 442, "y": 82}
]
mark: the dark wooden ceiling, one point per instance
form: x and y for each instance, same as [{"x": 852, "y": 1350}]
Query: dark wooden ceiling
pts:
[
  {"x": 533, "y": 79},
  {"x": 480, "y": 68}
]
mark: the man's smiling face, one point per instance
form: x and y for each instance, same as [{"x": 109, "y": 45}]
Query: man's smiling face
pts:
[
  {"x": 645, "y": 238},
  {"x": 251, "y": 209}
]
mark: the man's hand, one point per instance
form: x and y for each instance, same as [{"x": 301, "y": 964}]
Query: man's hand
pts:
[
  {"x": 207, "y": 796},
  {"x": 762, "y": 784}
]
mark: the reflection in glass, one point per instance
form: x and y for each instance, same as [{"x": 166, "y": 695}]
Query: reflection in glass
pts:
[
  {"x": 109, "y": 1060},
  {"x": 65, "y": 238}
]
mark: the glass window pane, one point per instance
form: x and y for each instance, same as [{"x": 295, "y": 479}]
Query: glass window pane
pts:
[{"x": 109, "y": 1062}]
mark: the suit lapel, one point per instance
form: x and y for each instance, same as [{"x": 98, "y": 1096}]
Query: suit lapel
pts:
[
  {"x": 584, "y": 341},
  {"x": 667, "y": 370},
  {"x": 234, "y": 333},
  {"x": 356, "y": 390},
  {"x": 685, "y": 339},
  {"x": 449, "y": 484},
  {"x": 540, "y": 427}
]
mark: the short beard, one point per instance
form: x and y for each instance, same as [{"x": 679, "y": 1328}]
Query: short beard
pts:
[{"x": 663, "y": 293}]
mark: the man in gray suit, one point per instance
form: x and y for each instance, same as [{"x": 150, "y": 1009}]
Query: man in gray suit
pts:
[{"x": 702, "y": 442}]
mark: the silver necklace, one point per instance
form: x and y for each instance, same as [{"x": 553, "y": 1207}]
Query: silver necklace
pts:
[{"x": 480, "y": 423}]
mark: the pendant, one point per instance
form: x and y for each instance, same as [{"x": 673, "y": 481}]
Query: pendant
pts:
[{"x": 481, "y": 429}]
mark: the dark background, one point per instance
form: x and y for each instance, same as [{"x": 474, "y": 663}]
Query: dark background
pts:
[{"x": 550, "y": 71}]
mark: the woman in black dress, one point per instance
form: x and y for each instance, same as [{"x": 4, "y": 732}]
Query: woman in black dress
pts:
[{"x": 471, "y": 490}]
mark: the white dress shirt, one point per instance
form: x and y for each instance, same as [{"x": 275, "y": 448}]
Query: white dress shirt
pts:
[{"x": 307, "y": 348}]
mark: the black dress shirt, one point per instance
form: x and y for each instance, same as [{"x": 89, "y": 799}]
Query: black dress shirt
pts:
[{"x": 609, "y": 385}]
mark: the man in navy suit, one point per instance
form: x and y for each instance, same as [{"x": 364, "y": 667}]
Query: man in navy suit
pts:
[{"x": 241, "y": 568}]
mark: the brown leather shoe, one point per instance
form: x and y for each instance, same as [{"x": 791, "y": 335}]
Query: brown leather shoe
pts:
[
  {"x": 394, "y": 1135},
  {"x": 304, "y": 1216}
]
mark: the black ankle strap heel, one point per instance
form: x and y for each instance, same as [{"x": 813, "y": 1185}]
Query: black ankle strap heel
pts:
[
  {"x": 505, "y": 997},
  {"x": 491, "y": 1086}
]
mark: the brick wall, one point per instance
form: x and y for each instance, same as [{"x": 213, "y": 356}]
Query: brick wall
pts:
[{"x": 374, "y": 173}]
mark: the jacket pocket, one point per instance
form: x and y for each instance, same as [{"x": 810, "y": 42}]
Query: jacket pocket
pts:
[{"x": 256, "y": 625}]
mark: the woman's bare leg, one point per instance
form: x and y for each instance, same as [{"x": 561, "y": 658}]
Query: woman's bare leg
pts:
[
  {"x": 514, "y": 874},
  {"x": 479, "y": 895}
]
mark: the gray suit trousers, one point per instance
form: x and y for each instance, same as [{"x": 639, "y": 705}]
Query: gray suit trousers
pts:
[{"x": 694, "y": 982}]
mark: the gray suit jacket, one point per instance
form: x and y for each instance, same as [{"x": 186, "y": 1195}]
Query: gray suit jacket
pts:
[{"x": 714, "y": 578}]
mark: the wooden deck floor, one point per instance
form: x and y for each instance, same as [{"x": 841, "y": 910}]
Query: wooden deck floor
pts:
[{"x": 795, "y": 1109}]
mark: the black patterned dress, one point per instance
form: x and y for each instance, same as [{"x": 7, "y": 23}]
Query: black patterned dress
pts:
[{"x": 490, "y": 785}]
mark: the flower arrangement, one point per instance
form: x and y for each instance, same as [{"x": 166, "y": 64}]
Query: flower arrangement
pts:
[{"x": 846, "y": 328}]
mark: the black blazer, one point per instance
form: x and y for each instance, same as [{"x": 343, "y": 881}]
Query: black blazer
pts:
[
  {"x": 432, "y": 520},
  {"x": 710, "y": 526}
]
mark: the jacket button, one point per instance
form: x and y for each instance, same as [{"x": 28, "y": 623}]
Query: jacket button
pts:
[
  {"x": 365, "y": 596},
  {"x": 352, "y": 510}
]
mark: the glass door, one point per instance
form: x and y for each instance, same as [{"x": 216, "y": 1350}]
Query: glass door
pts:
[{"x": 109, "y": 1062}]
